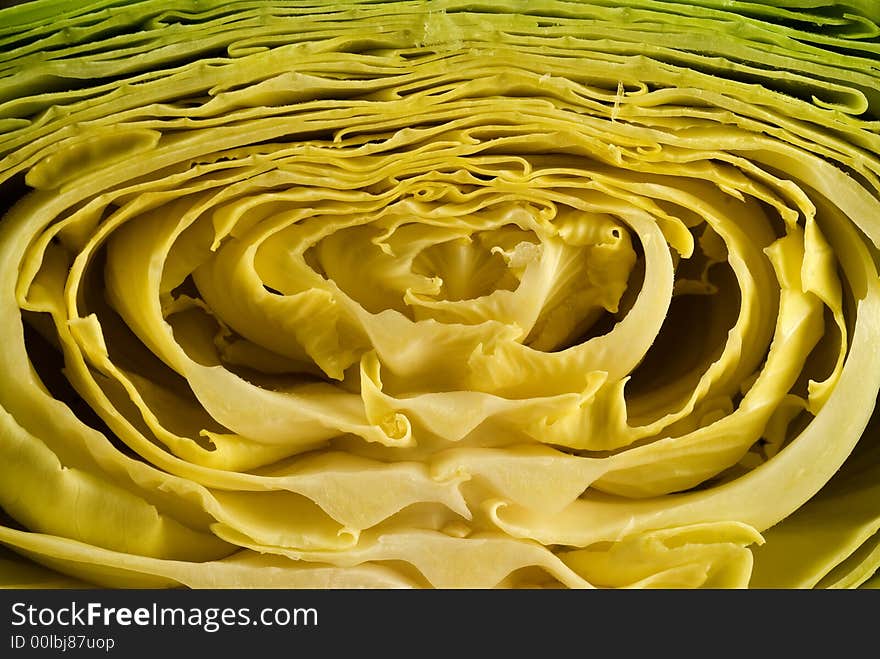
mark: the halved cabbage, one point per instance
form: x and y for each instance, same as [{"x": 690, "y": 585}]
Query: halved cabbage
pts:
[{"x": 446, "y": 294}]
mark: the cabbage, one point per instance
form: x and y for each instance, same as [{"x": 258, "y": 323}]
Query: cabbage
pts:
[{"x": 440, "y": 294}]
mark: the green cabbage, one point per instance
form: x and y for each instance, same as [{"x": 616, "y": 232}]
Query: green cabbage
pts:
[{"x": 440, "y": 294}]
